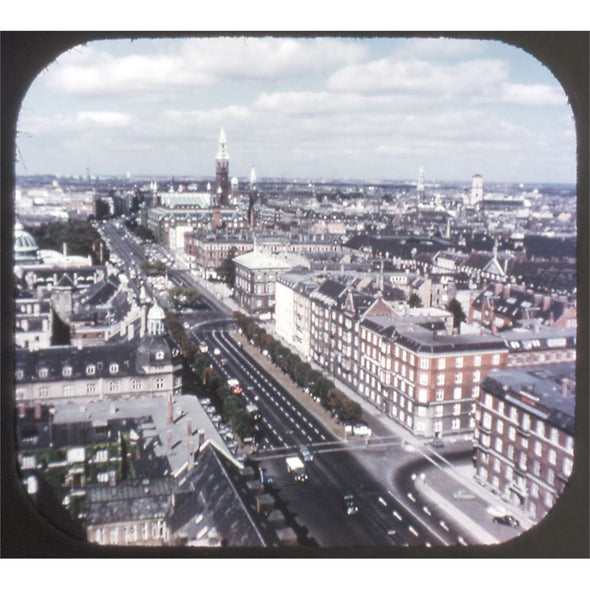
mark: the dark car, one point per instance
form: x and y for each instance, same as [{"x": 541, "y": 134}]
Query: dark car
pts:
[
  {"x": 350, "y": 506},
  {"x": 507, "y": 520}
]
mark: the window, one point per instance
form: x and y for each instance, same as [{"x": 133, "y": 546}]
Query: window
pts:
[
  {"x": 495, "y": 359},
  {"x": 91, "y": 370},
  {"x": 540, "y": 428},
  {"x": 477, "y": 360},
  {"x": 500, "y": 427},
  {"x": 458, "y": 377},
  {"x": 68, "y": 391},
  {"x": 90, "y": 388},
  {"x": 438, "y": 410},
  {"x": 43, "y": 372},
  {"x": 476, "y": 376},
  {"x": 568, "y": 465},
  {"x": 423, "y": 379},
  {"x": 457, "y": 391},
  {"x": 552, "y": 457},
  {"x": 113, "y": 368},
  {"x": 66, "y": 371},
  {"x": 440, "y": 394},
  {"x": 113, "y": 386},
  {"x": 487, "y": 420},
  {"x": 459, "y": 362},
  {"x": 440, "y": 379},
  {"x": 136, "y": 384},
  {"x": 160, "y": 383},
  {"x": 538, "y": 448},
  {"x": 422, "y": 395},
  {"x": 456, "y": 409},
  {"x": 424, "y": 363},
  {"x": 456, "y": 424},
  {"x": 43, "y": 391},
  {"x": 441, "y": 363}
]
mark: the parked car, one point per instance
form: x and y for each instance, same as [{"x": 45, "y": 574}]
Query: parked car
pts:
[{"x": 506, "y": 519}]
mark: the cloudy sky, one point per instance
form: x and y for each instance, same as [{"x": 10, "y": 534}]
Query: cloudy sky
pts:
[{"x": 309, "y": 108}]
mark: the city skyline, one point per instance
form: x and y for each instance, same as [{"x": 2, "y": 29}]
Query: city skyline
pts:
[{"x": 347, "y": 108}]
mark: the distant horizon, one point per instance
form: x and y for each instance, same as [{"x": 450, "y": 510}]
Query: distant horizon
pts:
[{"x": 322, "y": 180}]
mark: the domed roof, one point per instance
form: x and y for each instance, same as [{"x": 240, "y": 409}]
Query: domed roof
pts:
[
  {"x": 156, "y": 313},
  {"x": 25, "y": 246}
]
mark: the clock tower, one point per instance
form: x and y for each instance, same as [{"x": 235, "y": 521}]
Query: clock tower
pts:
[{"x": 222, "y": 172}]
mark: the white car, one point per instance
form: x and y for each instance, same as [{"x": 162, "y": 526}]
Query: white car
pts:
[{"x": 217, "y": 352}]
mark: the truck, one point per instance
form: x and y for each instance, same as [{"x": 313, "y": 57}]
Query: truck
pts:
[
  {"x": 234, "y": 386},
  {"x": 296, "y": 468}
]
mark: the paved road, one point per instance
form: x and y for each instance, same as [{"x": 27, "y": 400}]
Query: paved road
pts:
[{"x": 384, "y": 518}]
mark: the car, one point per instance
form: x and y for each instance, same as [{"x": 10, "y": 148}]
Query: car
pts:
[
  {"x": 203, "y": 347},
  {"x": 216, "y": 352},
  {"x": 506, "y": 519},
  {"x": 305, "y": 453},
  {"x": 223, "y": 362},
  {"x": 350, "y": 506}
]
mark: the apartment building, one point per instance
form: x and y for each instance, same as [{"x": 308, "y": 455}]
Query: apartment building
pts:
[
  {"x": 423, "y": 377},
  {"x": 524, "y": 437},
  {"x": 150, "y": 365}
]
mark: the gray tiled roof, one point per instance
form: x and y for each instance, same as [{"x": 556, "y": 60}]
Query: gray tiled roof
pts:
[{"x": 543, "y": 387}]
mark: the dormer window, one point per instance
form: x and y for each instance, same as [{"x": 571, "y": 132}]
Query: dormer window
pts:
[
  {"x": 113, "y": 368},
  {"x": 160, "y": 355},
  {"x": 66, "y": 371},
  {"x": 19, "y": 374},
  {"x": 43, "y": 372},
  {"x": 90, "y": 370}
]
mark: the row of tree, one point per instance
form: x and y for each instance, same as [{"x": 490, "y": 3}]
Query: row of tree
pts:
[
  {"x": 308, "y": 378},
  {"x": 199, "y": 370}
]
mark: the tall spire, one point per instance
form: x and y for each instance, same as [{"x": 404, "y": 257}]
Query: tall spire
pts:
[
  {"x": 222, "y": 171},
  {"x": 221, "y": 150}
]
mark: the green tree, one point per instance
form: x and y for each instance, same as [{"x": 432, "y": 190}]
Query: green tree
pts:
[
  {"x": 456, "y": 309},
  {"x": 227, "y": 269},
  {"x": 415, "y": 301}
]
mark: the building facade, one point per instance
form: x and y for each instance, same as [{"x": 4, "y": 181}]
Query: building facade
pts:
[
  {"x": 148, "y": 366},
  {"x": 524, "y": 438}
]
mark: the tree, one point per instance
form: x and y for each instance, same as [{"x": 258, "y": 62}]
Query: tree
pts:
[
  {"x": 227, "y": 269},
  {"x": 456, "y": 309},
  {"x": 415, "y": 301}
]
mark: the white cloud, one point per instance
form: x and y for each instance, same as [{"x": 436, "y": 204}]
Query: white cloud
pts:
[
  {"x": 421, "y": 77},
  {"x": 532, "y": 94},
  {"x": 195, "y": 63},
  {"x": 79, "y": 122}
]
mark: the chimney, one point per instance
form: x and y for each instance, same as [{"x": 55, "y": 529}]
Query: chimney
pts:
[
  {"x": 201, "y": 434},
  {"x": 65, "y": 249}
]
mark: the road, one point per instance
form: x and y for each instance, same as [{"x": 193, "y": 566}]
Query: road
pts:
[{"x": 386, "y": 516}]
